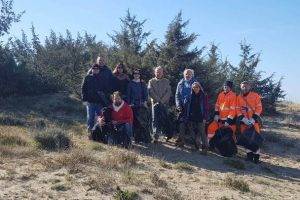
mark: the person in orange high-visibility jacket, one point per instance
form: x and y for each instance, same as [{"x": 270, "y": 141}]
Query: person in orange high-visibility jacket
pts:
[
  {"x": 225, "y": 111},
  {"x": 249, "y": 108}
]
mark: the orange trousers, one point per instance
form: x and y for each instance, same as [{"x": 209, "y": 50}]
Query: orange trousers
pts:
[{"x": 212, "y": 127}]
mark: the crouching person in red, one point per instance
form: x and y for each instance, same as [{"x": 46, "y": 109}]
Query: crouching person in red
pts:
[{"x": 121, "y": 117}]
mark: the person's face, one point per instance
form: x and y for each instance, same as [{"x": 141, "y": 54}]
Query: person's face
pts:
[
  {"x": 136, "y": 75},
  {"x": 188, "y": 75},
  {"x": 117, "y": 100},
  {"x": 95, "y": 70},
  {"x": 245, "y": 88},
  {"x": 226, "y": 89},
  {"x": 100, "y": 61},
  {"x": 196, "y": 89},
  {"x": 120, "y": 69},
  {"x": 159, "y": 73}
]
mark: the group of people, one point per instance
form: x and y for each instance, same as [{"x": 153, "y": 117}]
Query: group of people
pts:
[{"x": 190, "y": 98}]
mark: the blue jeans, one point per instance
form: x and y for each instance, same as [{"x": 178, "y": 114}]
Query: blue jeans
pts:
[
  {"x": 93, "y": 110},
  {"x": 128, "y": 129}
]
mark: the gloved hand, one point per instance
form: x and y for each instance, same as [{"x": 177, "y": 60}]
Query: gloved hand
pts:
[
  {"x": 246, "y": 121},
  {"x": 226, "y": 124},
  {"x": 216, "y": 118},
  {"x": 252, "y": 121}
]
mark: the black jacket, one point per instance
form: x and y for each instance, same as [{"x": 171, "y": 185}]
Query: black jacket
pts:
[{"x": 95, "y": 89}]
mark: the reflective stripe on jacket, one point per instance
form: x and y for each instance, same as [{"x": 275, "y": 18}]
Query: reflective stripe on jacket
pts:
[
  {"x": 254, "y": 104},
  {"x": 226, "y": 105}
]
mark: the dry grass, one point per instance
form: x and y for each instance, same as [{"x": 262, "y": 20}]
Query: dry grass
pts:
[
  {"x": 125, "y": 195},
  {"x": 103, "y": 182},
  {"x": 74, "y": 161},
  {"x": 120, "y": 158},
  {"x": 14, "y": 136},
  {"x": 235, "y": 183},
  {"x": 168, "y": 194},
  {"x": 184, "y": 166},
  {"x": 164, "y": 164},
  {"x": 158, "y": 182}
]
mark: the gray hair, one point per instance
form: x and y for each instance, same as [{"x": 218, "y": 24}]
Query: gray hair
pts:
[{"x": 188, "y": 70}]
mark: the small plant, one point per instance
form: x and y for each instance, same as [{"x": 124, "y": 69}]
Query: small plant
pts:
[
  {"x": 12, "y": 140},
  {"x": 224, "y": 198},
  {"x": 236, "y": 184},
  {"x": 164, "y": 164},
  {"x": 184, "y": 166},
  {"x": 236, "y": 164},
  {"x": 98, "y": 147},
  {"x": 60, "y": 187},
  {"x": 52, "y": 139},
  {"x": 125, "y": 195},
  {"x": 157, "y": 181}
]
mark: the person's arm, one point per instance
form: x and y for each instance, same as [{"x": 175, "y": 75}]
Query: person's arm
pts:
[{"x": 84, "y": 90}]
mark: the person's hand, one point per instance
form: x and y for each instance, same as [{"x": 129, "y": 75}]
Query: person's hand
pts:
[
  {"x": 179, "y": 109},
  {"x": 226, "y": 124},
  {"x": 114, "y": 122},
  {"x": 216, "y": 118},
  {"x": 145, "y": 104},
  {"x": 252, "y": 121},
  {"x": 101, "y": 121},
  {"x": 246, "y": 121}
]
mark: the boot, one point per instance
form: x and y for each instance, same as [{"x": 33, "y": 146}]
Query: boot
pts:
[
  {"x": 256, "y": 158},
  {"x": 250, "y": 156}
]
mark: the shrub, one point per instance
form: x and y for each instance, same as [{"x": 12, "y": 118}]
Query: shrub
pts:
[
  {"x": 157, "y": 181},
  {"x": 125, "y": 195},
  {"x": 52, "y": 139},
  {"x": 236, "y": 184},
  {"x": 184, "y": 166}
]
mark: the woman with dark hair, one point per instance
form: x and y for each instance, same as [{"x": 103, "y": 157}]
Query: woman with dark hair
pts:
[
  {"x": 194, "y": 116},
  {"x": 137, "y": 93},
  {"x": 121, "y": 79},
  {"x": 137, "y": 96}
]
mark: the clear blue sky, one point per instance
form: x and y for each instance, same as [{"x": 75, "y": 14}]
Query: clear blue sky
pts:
[{"x": 272, "y": 27}]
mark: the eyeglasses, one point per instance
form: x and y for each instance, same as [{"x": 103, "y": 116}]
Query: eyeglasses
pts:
[{"x": 136, "y": 73}]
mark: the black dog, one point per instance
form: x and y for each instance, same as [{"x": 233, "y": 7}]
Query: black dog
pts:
[
  {"x": 141, "y": 124},
  {"x": 102, "y": 133}
]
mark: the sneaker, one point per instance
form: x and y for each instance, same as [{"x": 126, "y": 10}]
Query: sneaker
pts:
[
  {"x": 168, "y": 138},
  {"x": 249, "y": 156},
  {"x": 256, "y": 158}
]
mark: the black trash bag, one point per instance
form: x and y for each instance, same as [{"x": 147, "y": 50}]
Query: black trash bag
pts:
[
  {"x": 224, "y": 142},
  {"x": 119, "y": 136},
  {"x": 250, "y": 139},
  {"x": 101, "y": 133},
  {"x": 141, "y": 124}
]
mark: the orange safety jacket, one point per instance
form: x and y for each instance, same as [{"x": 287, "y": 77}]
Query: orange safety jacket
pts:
[
  {"x": 253, "y": 105},
  {"x": 226, "y": 105}
]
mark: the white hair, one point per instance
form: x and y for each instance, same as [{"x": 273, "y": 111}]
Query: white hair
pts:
[
  {"x": 188, "y": 70},
  {"x": 158, "y": 68}
]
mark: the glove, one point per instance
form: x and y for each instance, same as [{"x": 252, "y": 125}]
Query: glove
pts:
[
  {"x": 216, "y": 118},
  {"x": 252, "y": 121},
  {"x": 226, "y": 124},
  {"x": 246, "y": 121}
]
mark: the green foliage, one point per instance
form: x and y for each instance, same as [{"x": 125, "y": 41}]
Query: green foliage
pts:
[
  {"x": 125, "y": 195},
  {"x": 8, "y": 16}
]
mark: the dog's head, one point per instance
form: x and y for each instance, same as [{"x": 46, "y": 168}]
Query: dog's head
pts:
[{"x": 106, "y": 114}]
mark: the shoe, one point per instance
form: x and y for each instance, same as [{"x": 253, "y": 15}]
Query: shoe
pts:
[
  {"x": 250, "y": 156},
  {"x": 168, "y": 138},
  {"x": 155, "y": 141},
  {"x": 197, "y": 145},
  {"x": 256, "y": 158},
  {"x": 90, "y": 135}
]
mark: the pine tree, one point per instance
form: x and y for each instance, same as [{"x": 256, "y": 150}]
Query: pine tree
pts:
[{"x": 175, "y": 55}]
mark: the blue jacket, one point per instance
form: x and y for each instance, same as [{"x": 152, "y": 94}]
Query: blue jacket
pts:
[
  {"x": 183, "y": 91},
  {"x": 137, "y": 93}
]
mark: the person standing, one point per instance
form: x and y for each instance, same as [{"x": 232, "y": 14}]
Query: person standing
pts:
[
  {"x": 94, "y": 93},
  {"x": 160, "y": 92},
  {"x": 249, "y": 109},
  {"x": 120, "y": 80},
  {"x": 195, "y": 114}
]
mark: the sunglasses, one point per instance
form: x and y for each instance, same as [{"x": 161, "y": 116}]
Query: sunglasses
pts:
[{"x": 136, "y": 73}]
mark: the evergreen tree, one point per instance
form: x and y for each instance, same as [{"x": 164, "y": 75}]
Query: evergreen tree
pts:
[
  {"x": 129, "y": 41},
  {"x": 175, "y": 55},
  {"x": 269, "y": 89}
]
